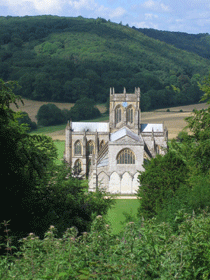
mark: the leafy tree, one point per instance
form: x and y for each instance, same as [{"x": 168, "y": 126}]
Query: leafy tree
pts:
[
  {"x": 25, "y": 159},
  {"x": 191, "y": 185},
  {"x": 49, "y": 114},
  {"x": 205, "y": 87},
  {"x": 84, "y": 109},
  {"x": 162, "y": 177},
  {"x": 66, "y": 202},
  {"x": 25, "y": 119},
  {"x": 39, "y": 193}
]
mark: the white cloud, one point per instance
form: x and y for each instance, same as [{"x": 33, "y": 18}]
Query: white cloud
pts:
[
  {"x": 149, "y": 4},
  {"x": 87, "y": 8},
  {"x": 156, "y": 6},
  {"x": 83, "y": 4},
  {"x": 42, "y": 6},
  {"x": 145, "y": 24},
  {"x": 164, "y": 7},
  {"x": 118, "y": 12},
  {"x": 150, "y": 16}
]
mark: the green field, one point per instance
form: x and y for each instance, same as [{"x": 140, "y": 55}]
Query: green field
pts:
[
  {"x": 115, "y": 214},
  {"x": 60, "y": 145}
]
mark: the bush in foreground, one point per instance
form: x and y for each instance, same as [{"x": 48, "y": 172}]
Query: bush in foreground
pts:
[{"x": 146, "y": 251}]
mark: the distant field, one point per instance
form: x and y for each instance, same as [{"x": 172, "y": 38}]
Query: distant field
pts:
[
  {"x": 31, "y": 107},
  {"x": 173, "y": 120}
]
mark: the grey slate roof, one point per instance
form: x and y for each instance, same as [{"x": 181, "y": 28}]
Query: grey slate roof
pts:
[
  {"x": 90, "y": 126},
  {"x": 148, "y": 127}
]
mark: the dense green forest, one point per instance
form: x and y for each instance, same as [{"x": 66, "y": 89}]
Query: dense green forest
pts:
[
  {"x": 65, "y": 59},
  {"x": 196, "y": 43}
]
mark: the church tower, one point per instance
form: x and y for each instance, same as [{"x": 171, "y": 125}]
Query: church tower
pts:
[{"x": 124, "y": 110}]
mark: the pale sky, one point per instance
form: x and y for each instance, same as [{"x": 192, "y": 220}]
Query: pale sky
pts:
[{"x": 191, "y": 16}]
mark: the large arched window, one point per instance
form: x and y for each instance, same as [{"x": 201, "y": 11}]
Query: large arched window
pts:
[
  {"x": 78, "y": 148},
  {"x": 117, "y": 115},
  {"x": 77, "y": 166},
  {"x": 126, "y": 156},
  {"x": 130, "y": 115},
  {"x": 90, "y": 147}
]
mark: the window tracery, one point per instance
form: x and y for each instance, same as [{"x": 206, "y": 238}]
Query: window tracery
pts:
[
  {"x": 90, "y": 147},
  {"x": 126, "y": 156},
  {"x": 130, "y": 115},
  {"x": 78, "y": 148}
]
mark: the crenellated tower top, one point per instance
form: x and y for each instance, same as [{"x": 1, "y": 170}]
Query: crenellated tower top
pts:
[{"x": 125, "y": 110}]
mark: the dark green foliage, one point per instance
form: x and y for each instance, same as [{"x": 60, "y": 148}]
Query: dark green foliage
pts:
[
  {"x": 197, "y": 43},
  {"x": 25, "y": 161},
  {"x": 162, "y": 177},
  {"x": 161, "y": 195},
  {"x": 49, "y": 114},
  {"x": 24, "y": 119},
  {"x": 48, "y": 57},
  {"x": 38, "y": 193},
  {"x": 66, "y": 202},
  {"x": 84, "y": 109},
  {"x": 144, "y": 251}
]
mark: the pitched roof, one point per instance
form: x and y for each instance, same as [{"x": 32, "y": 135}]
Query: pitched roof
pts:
[
  {"x": 148, "y": 127},
  {"x": 125, "y": 132}
]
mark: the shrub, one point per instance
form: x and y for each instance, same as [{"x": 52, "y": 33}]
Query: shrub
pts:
[
  {"x": 49, "y": 114},
  {"x": 163, "y": 175},
  {"x": 24, "y": 119},
  {"x": 146, "y": 251},
  {"x": 84, "y": 109}
]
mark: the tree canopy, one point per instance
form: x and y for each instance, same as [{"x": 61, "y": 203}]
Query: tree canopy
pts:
[
  {"x": 180, "y": 179},
  {"x": 37, "y": 192}
]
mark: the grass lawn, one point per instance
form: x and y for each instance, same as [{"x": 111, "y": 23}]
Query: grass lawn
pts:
[
  {"x": 49, "y": 129},
  {"x": 60, "y": 145},
  {"x": 115, "y": 214}
]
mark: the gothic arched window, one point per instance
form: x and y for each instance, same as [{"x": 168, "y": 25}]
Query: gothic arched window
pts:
[
  {"x": 126, "y": 156},
  {"x": 77, "y": 166},
  {"x": 130, "y": 115},
  {"x": 78, "y": 148},
  {"x": 90, "y": 147},
  {"x": 118, "y": 115}
]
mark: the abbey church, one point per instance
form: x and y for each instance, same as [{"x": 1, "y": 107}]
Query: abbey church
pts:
[{"x": 111, "y": 154}]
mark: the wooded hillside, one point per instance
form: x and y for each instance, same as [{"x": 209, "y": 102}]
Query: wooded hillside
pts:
[
  {"x": 196, "y": 43},
  {"x": 64, "y": 59}
]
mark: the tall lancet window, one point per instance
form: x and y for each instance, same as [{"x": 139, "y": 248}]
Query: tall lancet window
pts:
[
  {"x": 90, "y": 147},
  {"x": 130, "y": 115},
  {"x": 118, "y": 115},
  {"x": 78, "y": 148}
]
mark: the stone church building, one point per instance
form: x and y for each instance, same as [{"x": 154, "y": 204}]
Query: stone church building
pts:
[{"x": 111, "y": 154}]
